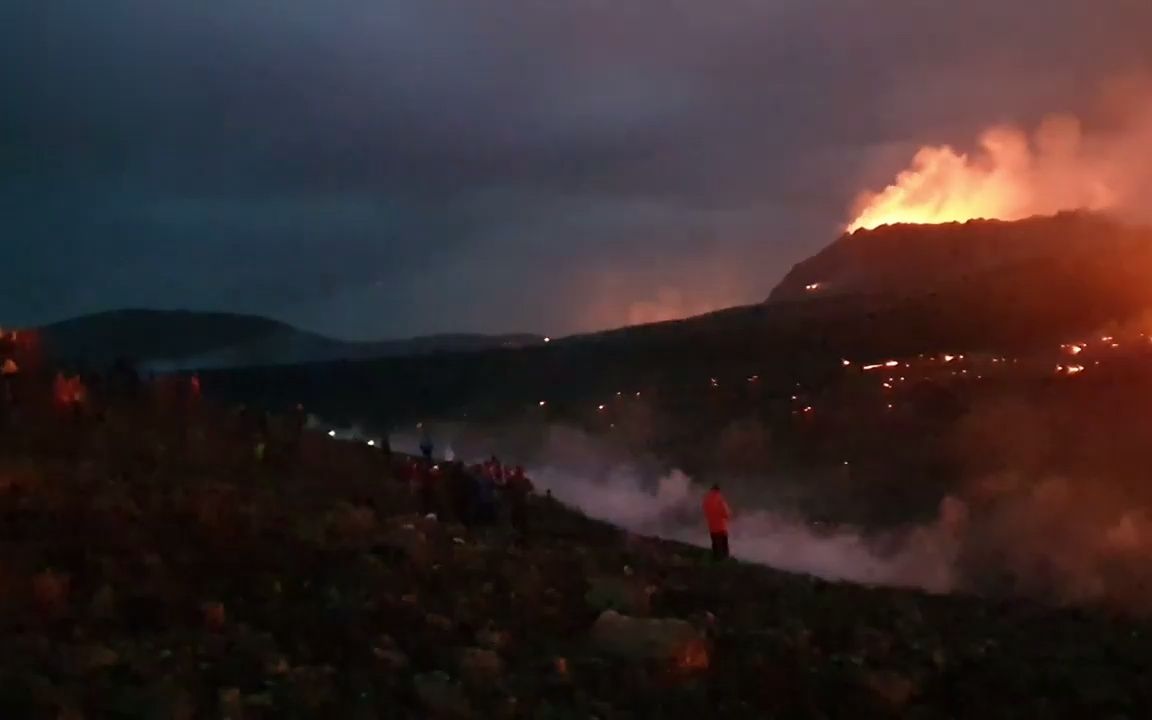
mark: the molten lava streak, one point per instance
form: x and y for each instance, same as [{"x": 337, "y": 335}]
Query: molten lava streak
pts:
[{"x": 1010, "y": 177}]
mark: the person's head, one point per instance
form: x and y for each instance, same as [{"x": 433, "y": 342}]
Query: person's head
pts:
[{"x": 715, "y": 487}]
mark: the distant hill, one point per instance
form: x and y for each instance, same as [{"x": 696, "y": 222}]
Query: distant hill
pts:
[{"x": 172, "y": 340}]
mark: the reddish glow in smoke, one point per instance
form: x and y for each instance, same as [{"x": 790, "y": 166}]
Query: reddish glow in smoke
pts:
[{"x": 1014, "y": 173}]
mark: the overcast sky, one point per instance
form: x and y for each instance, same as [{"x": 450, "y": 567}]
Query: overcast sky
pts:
[{"x": 375, "y": 168}]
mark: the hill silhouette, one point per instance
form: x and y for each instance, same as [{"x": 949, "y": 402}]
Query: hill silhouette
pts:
[{"x": 176, "y": 339}]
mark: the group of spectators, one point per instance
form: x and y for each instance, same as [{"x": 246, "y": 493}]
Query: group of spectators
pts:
[{"x": 479, "y": 494}]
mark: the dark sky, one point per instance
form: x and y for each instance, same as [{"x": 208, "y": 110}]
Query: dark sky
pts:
[{"x": 375, "y": 168}]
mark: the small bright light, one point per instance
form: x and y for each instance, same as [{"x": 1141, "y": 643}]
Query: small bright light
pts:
[
  {"x": 599, "y": 407},
  {"x": 547, "y": 339},
  {"x": 845, "y": 363},
  {"x": 543, "y": 403},
  {"x": 331, "y": 433},
  {"x": 371, "y": 443}
]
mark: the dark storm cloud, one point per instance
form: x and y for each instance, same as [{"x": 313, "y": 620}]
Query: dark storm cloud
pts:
[{"x": 380, "y": 168}]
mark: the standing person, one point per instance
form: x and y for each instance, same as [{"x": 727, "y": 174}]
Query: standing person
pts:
[
  {"x": 9, "y": 374},
  {"x": 297, "y": 424},
  {"x": 717, "y": 513},
  {"x": 194, "y": 391},
  {"x": 427, "y": 478},
  {"x": 459, "y": 491},
  {"x": 426, "y": 446},
  {"x": 484, "y": 497},
  {"x": 517, "y": 490}
]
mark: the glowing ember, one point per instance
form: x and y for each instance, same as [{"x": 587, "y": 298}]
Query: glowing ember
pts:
[
  {"x": 812, "y": 287},
  {"x": 1074, "y": 349},
  {"x": 877, "y": 366},
  {"x": 693, "y": 657},
  {"x": 1010, "y": 176}
]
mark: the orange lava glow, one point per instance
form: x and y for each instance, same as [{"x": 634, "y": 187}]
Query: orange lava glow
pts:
[{"x": 1010, "y": 176}]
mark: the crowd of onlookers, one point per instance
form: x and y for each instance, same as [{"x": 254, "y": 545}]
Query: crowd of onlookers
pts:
[{"x": 470, "y": 494}]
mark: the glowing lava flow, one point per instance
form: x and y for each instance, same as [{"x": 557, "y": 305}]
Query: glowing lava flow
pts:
[{"x": 1010, "y": 177}]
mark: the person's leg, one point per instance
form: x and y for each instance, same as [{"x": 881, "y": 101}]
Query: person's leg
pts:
[
  {"x": 716, "y": 546},
  {"x": 724, "y": 554}
]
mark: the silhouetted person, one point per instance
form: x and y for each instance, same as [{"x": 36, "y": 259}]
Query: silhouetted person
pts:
[
  {"x": 426, "y": 447},
  {"x": 9, "y": 393},
  {"x": 459, "y": 491},
  {"x": 483, "y": 496},
  {"x": 124, "y": 380},
  {"x": 427, "y": 477},
  {"x": 517, "y": 490},
  {"x": 717, "y": 513},
  {"x": 297, "y": 422}
]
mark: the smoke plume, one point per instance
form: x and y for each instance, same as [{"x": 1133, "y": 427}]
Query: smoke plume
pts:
[{"x": 1015, "y": 172}]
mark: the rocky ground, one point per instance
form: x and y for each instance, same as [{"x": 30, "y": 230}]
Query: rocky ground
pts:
[{"x": 153, "y": 570}]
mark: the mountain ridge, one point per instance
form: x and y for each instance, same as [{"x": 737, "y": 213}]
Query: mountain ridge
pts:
[{"x": 191, "y": 339}]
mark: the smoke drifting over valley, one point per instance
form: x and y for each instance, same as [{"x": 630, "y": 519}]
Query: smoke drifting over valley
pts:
[{"x": 1048, "y": 506}]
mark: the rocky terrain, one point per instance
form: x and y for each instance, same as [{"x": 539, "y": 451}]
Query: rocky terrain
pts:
[{"x": 153, "y": 566}]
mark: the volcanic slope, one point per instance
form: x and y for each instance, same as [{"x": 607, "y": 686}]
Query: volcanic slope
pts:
[
  {"x": 153, "y": 568},
  {"x": 989, "y": 281}
]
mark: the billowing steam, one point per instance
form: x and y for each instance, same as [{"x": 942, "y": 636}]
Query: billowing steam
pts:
[
  {"x": 670, "y": 508},
  {"x": 1015, "y": 527},
  {"x": 1015, "y": 174},
  {"x": 1046, "y": 496}
]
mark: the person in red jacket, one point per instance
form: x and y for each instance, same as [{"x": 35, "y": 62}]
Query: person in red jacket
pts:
[{"x": 717, "y": 513}]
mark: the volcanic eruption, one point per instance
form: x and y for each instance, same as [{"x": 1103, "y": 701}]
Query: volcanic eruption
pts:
[
  {"x": 1016, "y": 171},
  {"x": 1009, "y": 177}
]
